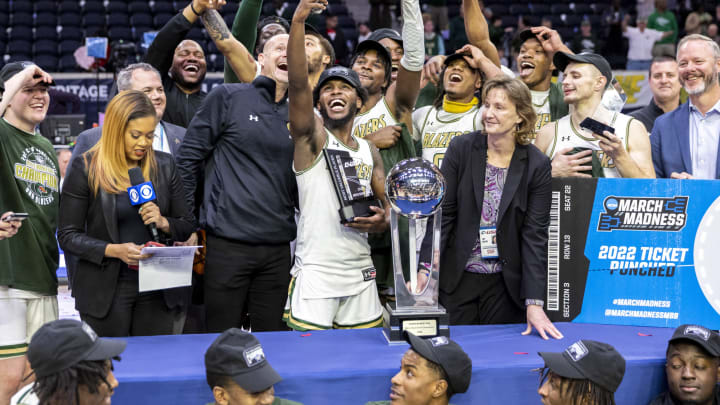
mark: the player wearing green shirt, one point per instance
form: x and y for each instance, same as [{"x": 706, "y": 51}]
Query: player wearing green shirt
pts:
[{"x": 29, "y": 183}]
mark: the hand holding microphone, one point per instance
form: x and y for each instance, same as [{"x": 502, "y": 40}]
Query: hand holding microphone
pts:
[{"x": 150, "y": 214}]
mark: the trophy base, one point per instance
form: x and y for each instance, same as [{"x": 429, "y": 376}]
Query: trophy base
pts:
[{"x": 427, "y": 323}]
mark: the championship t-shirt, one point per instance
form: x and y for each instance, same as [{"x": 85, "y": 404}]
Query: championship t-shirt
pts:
[{"x": 29, "y": 182}]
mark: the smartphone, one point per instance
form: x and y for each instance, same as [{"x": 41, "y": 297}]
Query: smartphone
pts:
[
  {"x": 596, "y": 127},
  {"x": 18, "y": 216}
]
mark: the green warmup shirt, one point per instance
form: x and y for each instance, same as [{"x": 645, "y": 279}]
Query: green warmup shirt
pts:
[{"x": 29, "y": 182}]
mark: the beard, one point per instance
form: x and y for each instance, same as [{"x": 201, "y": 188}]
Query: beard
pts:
[
  {"x": 179, "y": 79},
  {"x": 315, "y": 64},
  {"x": 331, "y": 123},
  {"x": 707, "y": 82}
]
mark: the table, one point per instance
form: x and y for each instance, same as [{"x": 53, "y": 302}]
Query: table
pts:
[{"x": 355, "y": 366}]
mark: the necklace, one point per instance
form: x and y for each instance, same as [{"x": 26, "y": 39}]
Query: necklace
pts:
[{"x": 543, "y": 103}]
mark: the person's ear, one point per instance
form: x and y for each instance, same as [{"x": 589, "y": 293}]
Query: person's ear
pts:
[
  {"x": 261, "y": 59},
  {"x": 358, "y": 102},
  {"x": 326, "y": 60},
  {"x": 221, "y": 396},
  {"x": 440, "y": 389},
  {"x": 602, "y": 83}
]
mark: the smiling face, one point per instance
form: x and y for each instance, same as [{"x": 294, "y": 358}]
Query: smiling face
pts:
[
  {"x": 582, "y": 81},
  {"x": 460, "y": 81},
  {"x": 338, "y": 102},
  {"x": 691, "y": 373},
  {"x": 139, "y": 135},
  {"x": 416, "y": 383},
  {"x": 29, "y": 107},
  {"x": 370, "y": 68},
  {"x": 500, "y": 117},
  {"x": 535, "y": 66},
  {"x": 396, "y": 53},
  {"x": 149, "y": 83},
  {"x": 698, "y": 67},
  {"x": 189, "y": 66},
  {"x": 664, "y": 81},
  {"x": 274, "y": 58}
]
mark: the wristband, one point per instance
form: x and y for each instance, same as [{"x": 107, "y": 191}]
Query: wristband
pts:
[{"x": 193, "y": 9}]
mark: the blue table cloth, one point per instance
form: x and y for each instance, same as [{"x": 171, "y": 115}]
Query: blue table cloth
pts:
[{"x": 355, "y": 366}]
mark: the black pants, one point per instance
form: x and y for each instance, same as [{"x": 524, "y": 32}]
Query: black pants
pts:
[
  {"x": 481, "y": 299},
  {"x": 242, "y": 278},
  {"x": 133, "y": 313}
]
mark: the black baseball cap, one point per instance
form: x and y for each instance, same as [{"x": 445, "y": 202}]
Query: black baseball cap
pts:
[
  {"x": 13, "y": 68},
  {"x": 700, "y": 335},
  {"x": 562, "y": 59},
  {"x": 342, "y": 73},
  {"x": 456, "y": 56},
  {"x": 61, "y": 344},
  {"x": 274, "y": 19},
  {"x": 238, "y": 355},
  {"x": 588, "y": 360},
  {"x": 368, "y": 44},
  {"x": 383, "y": 33},
  {"x": 449, "y": 355}
]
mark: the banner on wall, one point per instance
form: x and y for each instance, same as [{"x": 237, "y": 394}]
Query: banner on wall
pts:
[
  {"x": 634, "y": 252},
  {"x": 96, "y": 91}
]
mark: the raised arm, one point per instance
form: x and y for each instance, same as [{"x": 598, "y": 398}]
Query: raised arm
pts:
[
  {"x": 303, "y": 121},
  {"x": 477, "y": 31},
  {"x": 162, "y": 50},
  {"x": 402, "y": 94},
  {"x": 236, "y": 55},
  {"x": 244, "y": 29},
  {"x": 29, "y": 76}
]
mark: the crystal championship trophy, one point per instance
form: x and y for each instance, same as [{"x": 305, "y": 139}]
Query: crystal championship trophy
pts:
[{"x": 415, "y": 189}]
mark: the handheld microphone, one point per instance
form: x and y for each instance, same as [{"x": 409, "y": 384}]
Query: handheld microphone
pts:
[{"x": 140, "y": 192}]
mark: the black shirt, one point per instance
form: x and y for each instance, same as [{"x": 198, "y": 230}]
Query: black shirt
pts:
[
  {"x": 240, "y": 136},
  {"x": 180, "y": 107},
  {"x": 648, "y": 114},
  {"x": 130, "y": 224}
]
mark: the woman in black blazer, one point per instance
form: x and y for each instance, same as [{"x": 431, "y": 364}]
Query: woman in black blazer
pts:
[
  {"x": 100, "y": 226},
  {"x": 498, "y": 189}
]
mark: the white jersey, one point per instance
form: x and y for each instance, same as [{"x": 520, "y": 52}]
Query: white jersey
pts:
[
  {"x": 334, "y": 259},
  {"x": 437, "y": 127},
  {"x": 373, "y": 120},
  {"x": 567, "y": 136},
  {"x": 541, "y": 105}
]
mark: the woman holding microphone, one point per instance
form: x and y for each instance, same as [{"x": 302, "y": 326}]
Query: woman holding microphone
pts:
[{"x": 100, "y": 226}]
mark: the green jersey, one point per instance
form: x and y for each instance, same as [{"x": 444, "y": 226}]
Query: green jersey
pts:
[{"x": 29, "y": 182}]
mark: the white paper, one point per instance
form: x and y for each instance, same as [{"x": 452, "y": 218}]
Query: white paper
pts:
[{"x": 169, "y": 267}]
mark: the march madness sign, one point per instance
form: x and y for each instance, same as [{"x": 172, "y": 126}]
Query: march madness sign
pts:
[{"x": 634, "y": 252}]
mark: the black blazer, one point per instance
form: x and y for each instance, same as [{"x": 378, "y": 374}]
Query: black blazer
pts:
[
  {"x": 80, "y": 209},
  {"x": 523, "y": 216}
]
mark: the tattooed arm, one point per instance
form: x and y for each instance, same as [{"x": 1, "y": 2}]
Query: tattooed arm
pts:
[{"x": 236, "y": 54}]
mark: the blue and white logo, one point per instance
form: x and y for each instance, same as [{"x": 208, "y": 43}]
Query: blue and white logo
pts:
[
  {"x": 134, "y": 196},
  {"x": 146, "y": 191},
  {"x": 141, "y": 193}
]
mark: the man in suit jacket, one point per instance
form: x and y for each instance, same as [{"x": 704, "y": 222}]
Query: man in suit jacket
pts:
[
  {"x": 685, "y": 141},
  {"x": 145, "y": 78}
]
